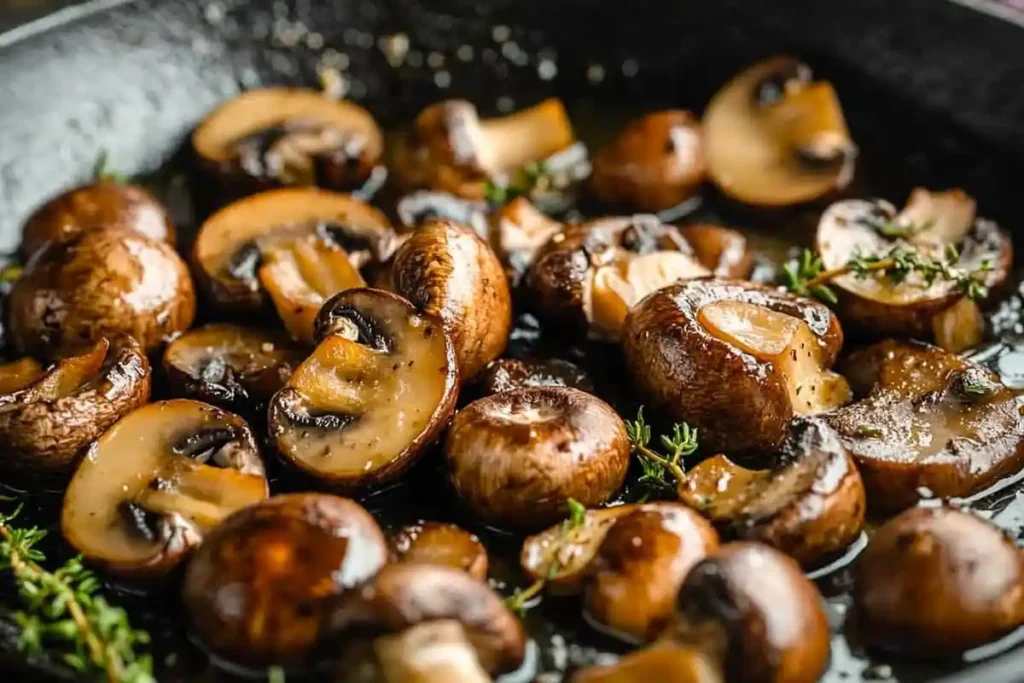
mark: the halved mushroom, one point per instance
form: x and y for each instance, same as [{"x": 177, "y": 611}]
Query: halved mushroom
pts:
[
  {"x": 810, "y": 505},
  {"x": 935, "y": 581},
  {"x": 376, "y": 391},
  {"x": 232, "y": 243},
  {"x": 103, "y": 283},
  {"x": 516, "y": 458},
  {"x": 773, "y": 136},
  {"x": 508, "y": 374},
  {"x": 656, "y": 162},
  {"x": 447, "y": 271},
  {"x": 259, "y": 589},
  {"x": 928, "y": 419},
  {"x": 156, "y": 482},
  {"x": 271, "y": 137},
  {"x": 442, "y": 544},
  {"x": 48, "y": 417},
  {"x": 517, "y": 231},
  {"x": 102, "y": 204},
  {"x": 735, "y": 360},
  {"x": 931, "y": 226},
  {"x": 424, "y": 623},
  {"x": 662, "y": 662},
  {"x": 234, "y": 367}
]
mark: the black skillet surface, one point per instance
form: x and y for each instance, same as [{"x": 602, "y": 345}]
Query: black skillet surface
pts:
[{"x": 932, "y": 91}]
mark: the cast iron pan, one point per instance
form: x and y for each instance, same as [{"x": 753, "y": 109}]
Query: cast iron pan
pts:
[{"x": 931, "y": 90}]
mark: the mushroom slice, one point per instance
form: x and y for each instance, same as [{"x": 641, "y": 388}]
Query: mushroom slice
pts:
[
  {"x": 508, "y": 374},
  {"x": 662, "y": 662},
  {"x": 773, "y": 136},
  {"x": 376, "y": 391},
  {"x": 156, "y": 482},
  {"x": 47, "y": 421},
  {"x": 929, "y": 419},
  {"x": 442, "y": 544},
  {"x": 639, "y": 566},
  {"x": 237, "y": 368},
  {"x": 810, "y": 505},
  {"x": 258, "y": 590},
  {"x": 428, "y": 623},
  {"x": 931, "y": 226},
  {"x": 516, "y": 458},
  {"x": 233, "y": 243},
  {"x": 656, "y": 162},
  {"x": 734, "y": 359},
  {"x": 288, "y": 136},
  {"x": 936, "y": 581}
]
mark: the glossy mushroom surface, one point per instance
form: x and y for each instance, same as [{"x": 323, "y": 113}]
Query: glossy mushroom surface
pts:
[
  {"x": 516, "y": 232},
  {"x": 442, "y": 544},
  {"x": 509, "y": 374},
  {"x": 662, "y": 662}
]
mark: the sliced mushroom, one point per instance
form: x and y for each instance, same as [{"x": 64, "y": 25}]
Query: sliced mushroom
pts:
[
  {"x": 447, "y": 271},
  {"x": 516, "y": 458},
  {"x": 442, "y": 544},
  {"x": 734, "y": 359},
  {"x": 376, "y": 391},
  {"x": 237, "y": 368},
  {"x": 104, "y": 283},
  {"x": 773, "y": 136},
  {"x": 47, "y": 421},
  {"x": 259, "y": 589},
  {"x": 936, "y": 581},
  {"x": 232, "y": 244},
  {"x": 517, "y": 231},
  {"x": 156, "y": 482},
  {"x": 509, "y": 374},
  {"x": 662, "y": 662},
  {"x": 929, "y": 420},
  {"x": 271, "y": 137}
]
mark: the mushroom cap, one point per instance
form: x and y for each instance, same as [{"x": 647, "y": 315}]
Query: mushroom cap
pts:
[
  {"x": 258, "y": 590},
  {"x": 442, "y": 544},
  {"x": 509, "y": 374},
  {"x": 516, "y": 458},
  {"x": 662, "y": 662},
  {"x": 722, "y": 250}
]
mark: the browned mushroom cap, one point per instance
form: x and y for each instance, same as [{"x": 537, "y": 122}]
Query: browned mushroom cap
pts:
[
  {"x": 750, "y": 609},
  {"x": 937, "y": 581},
  {"x": 508, "y": 374},
  {"x": 734, "y": 359},
  {"x": 662, "y": 662},
  {"x": 47, "y": 420},
  {"x": 446, "y": 270},
  {"x": 654, "y": 163},
  {"x": 257, "y": 591},
  {"x": 287, "y": 136},
  {"x": 376, "y": 391},
  {"x": 233, "y": 242},
  {"x": 104, "y": 283},
  {"x": 443, "y": 544},
  {"x": 99, "y": 205},
  {"x": 775, "y": 137},
  {"x": 516, "y": 458},
  {"x": 930, "y": 419},
  {"x": 641, "y": 563},
  {"x": 428, "y": 623},
  {"x": 156, "y": 482},
  {"x": 722, "y": 250},
  {"x": 234, "y": 367},
  {"x": 517, "y": 231},
  {"x": 931, "y": 225},
  {"x": 809, "y": 506}
]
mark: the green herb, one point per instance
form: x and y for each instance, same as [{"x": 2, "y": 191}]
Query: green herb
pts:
[
  {"x": 894, "y": 230},
  {"x": 974, "y": 383},
  {"x": 275, "y": 675},
  {"x": 658, "y": 467},
  {"x": 101, "y": 170},
  {"x": 529, "y": 179},
  {"x": 64, "y": 612},
  {"x": 10, "y": 273}
]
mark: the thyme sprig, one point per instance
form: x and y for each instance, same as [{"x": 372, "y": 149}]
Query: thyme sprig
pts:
[
  {"x": 101, "y": 170},
  {"x": 10, "y": 273},
  {"x": 658, "y": 467},
  {"x": 530, "y": 178},
  {"x": 895, "y": 230}
]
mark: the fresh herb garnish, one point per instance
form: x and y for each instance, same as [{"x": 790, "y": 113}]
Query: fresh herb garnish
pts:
[
  {"x": 10, "y": 273},
  {"x": 974, "y": 383},
  {"x": 895, "y": 230},
  {"x": 526, "y": 181},
  {"x": 658, "y": 467},
  {"x": 275, "y": 674},
  {"x": 101, "y": 170}
]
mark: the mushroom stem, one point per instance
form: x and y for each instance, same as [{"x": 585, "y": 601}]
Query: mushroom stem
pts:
[
  {"x": 528, "y": 135},
  {"x": 434, "y": 652}
]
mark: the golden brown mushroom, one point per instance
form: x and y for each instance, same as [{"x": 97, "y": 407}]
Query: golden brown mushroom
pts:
[
  {"x": 442, "y": 544},
  {"x": 508, "y": 374}
]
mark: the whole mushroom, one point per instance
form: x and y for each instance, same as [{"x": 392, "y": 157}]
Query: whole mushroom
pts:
[{"x": 442, "y": 544}]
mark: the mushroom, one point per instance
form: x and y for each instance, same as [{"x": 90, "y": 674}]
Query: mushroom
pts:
[
  {"x": 509, "y": 374},
  {"x": 516, "y": 458},
  {"x": 447, "y": 271},
  {"x": 378, "y": 389},
  {"x": 928, "y": 419},
  {"x": 442, "y": 544},
  {"x": 233, "y": 243},
  {"x": 721, "y": 250},
  {"x": 259, "y": 589},
  {"x": 237, "y": 368},
  {"x": 930, "y": 226},
  {"x": 271, "y": 137},
  {"x": 935, "y": 581},
  {"x": 662, "y": 662},
  {"x": 104, "y": 283},
  {"x": 773, "y": 136},
  {"x": 517, "y": 231},
  {"x": 416, "y": 208},
  {"x": 424, "y": 623},
  {"x": 101, "y": 204},
  {"x": 810, "y": 505},
  {"x": 736, "y": 360},
  {"x": 656, "y": 162},
  {"x": 48, "y": 417},
  {"x": 156, "y": 482}
]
